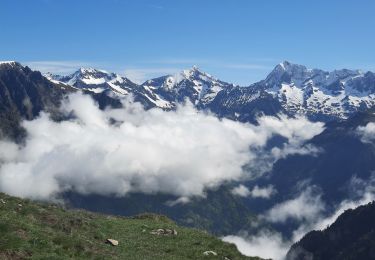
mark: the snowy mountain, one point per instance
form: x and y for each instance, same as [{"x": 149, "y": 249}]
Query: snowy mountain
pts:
[
  {"x": 165, "y": 92},
  {"x": 289, "y": 88},
  {"x": 311, "y": 91},
  {"x": 294, "y": 89},
  {"x": 95, "y": 80},
  {"x": 197, "y": 86},
  {"x": 8, "y": 63},
  {"x": 111, "y": 84}
]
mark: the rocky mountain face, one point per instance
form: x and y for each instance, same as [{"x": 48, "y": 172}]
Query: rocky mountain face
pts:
[
  {"x": 351, "y": 236},
  {"x": 23, "y": 94}
]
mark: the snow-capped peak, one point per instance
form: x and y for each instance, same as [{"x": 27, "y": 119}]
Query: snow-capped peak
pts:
[
  {"x": 88, "y": 70},
  {"x": 290, "y": 67},
  {"x": 88, "y": 76},
  {"x": 193, "y": 84},
  {"x": 300, "y": 89},
  {"x": 288, "y": 72},
  {"x": 191, "y": 75},
  {"x": 195, "y": 72},
  {"x": 298, "y": 75},
  {"x": 9, "y": 63},
  {"x": 95, "y": 80},
  {"x": 84, "y": 71}
]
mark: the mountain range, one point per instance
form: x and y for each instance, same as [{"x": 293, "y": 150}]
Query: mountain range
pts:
[{"x": 289, "y": 88}]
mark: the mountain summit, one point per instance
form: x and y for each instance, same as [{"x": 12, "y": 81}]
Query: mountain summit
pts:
[
  {"x": 95, "y": 80},
  {"x": 192, "y": 84}
]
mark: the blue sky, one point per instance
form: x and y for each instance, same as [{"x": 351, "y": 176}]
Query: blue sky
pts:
[{"x": 238, "y": 41}]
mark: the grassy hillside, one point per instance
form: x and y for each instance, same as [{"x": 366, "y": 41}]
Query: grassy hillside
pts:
[{"x": 30, "y": 230}]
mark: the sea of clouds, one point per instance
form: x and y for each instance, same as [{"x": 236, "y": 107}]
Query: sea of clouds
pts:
[{"x": 119, "y": 151}]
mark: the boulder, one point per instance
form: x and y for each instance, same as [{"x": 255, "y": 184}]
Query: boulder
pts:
[
  {"x": 209, "y": 253},
  {"x": 112, "y": 242}
]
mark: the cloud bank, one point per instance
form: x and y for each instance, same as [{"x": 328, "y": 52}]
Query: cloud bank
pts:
[
  {"x": 119, "y": 151},
  {"x": 367, "y": 133},
  {"x": 309, "y": 210},
  {"x": 307, "y": 206},
  {"x": 266, "y": 244}
]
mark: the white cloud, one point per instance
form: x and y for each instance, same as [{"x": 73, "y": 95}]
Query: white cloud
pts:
[
  {"x": 367, "y": 133},
  {"x": 181, "y": 200},
  {"x": 241, "y": 190},
  {"x": 180, "y": 152},
  {"x": 8, "y": 151},
  {"x": 296, "y": 131},
  {"x": 256, "y": 192},
  {"x": 265, "y": 192},
  {"x": 305, "y": 207},
  {"x": 266, "y": 244},
  {"x": 365, "y": 193}
]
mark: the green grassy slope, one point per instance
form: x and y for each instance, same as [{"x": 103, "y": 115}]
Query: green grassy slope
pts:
[{"x": 30, "y": 230}]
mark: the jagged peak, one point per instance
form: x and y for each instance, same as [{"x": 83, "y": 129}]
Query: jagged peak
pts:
[
  {"x": 195, "y": 71},
  {"x": 10, "y": 63},
  {"x": 346, "y": 72},
  {"x": 289, "y": 72},
  {"x": 284, "y": 64},
  {"x": 90, "y": 70},
  {"x": 289, "y": 67},
  {"x": 292, "y": 68}
]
